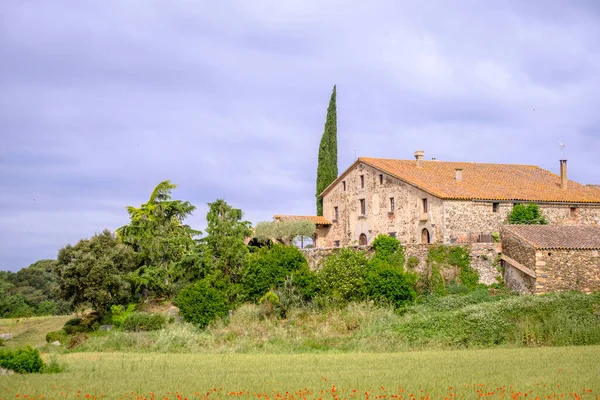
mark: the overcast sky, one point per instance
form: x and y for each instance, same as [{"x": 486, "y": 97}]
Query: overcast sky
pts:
[{"x": 101, "y": 100}]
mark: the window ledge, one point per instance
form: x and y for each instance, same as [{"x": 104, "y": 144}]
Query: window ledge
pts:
[
  {"x": 334, "y": 220},
  {"x": 362, "y": 217},
  {"x": 424, "y": 217},
  {"x": 391, "y": 213}
]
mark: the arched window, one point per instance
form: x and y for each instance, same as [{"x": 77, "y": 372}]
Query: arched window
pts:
[
  {"x": 362, "y": 239},
  {"x": 425, "y": 236}
]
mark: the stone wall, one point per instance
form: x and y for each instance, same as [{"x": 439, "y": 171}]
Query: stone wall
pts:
[
  {"x": 483, "y": 258},
  {"x": 560, "y": 270},
  {"x": 558, "y": 214},
  {"x": 407, "y": 221},
  {"x": 515, "y": 248},
  {"x": 463, "y": 219}
]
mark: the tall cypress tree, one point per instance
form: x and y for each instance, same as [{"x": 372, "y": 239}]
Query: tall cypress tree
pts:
[{"x": 327, "y": 169}]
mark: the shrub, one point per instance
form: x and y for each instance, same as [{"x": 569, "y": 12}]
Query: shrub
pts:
[
  {"x": 268, "y": 267},
  {"x": 60, "y": 335},
  {"x": 22, "y": 361},
  {"x": 119, "y": 314},
  {"x": 201, "y": 304},
  {"x": 139, "y": 322},
  {"x": 526, "y": 214},
  {"x": 342, "y": 276},
  {"x": 386, "y": 284},
  {"x": 389, "y": 249}
]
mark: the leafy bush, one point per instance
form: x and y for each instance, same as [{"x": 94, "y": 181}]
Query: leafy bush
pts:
[
  {"x": 342, "y": 276},
  {"x": 119, "y": 314},
  {"x": 60, "y": 335},
  {"x": 87, "y": 323},
  {"x": 22, "y": 361},
  {"x": 268, "y": 267},
  {"x": 526, "y": 214},
  {"x": 140, "y": 322},
  {"x": 201, "y": 304},
  {"x": 387, "y": 284},
  {"x": 389, "y": 249}
]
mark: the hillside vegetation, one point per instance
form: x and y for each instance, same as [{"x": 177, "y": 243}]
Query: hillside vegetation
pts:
[{"x": 474, "y": 320}]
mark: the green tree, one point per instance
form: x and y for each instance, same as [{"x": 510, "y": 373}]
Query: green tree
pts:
[
  {"x": 327, "y": 168},
  {"x": 160, "y": 238},
  {"x": 284, "y": 231},
  {"x": 94, "y": 271},
  {"x": 224, "y": 245},
  {"x": 526, "y": 214},
  {"x": 268, "y": 267}
]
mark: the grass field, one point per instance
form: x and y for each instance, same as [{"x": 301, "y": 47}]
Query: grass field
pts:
[
  {"x": 30, "y": 331},
  {"x": 494, "y": 373}
]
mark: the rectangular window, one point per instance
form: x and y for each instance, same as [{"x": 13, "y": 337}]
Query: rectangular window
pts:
[
  {"x": 495, "y": 207},
  {"x": 344, "y": 185},
  {"x": 381, "y": 179},
  {"x": 363, "y": 207},
  {"x": 392, "y": 234},
  {"x": 335, "y": 213},
  {"x": 573, "y": 212},
  {"x": 336, "y": 243},
  {"x": 425, "y": 206},
  {"x": 362, "y": 181},
  {"x": 392, "y": 204}
]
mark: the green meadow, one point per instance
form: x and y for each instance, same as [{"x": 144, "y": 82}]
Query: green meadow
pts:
[{"x": 498, "y": 373}]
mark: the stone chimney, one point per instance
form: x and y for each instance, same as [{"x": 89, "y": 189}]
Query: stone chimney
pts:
[
  {"x": 458, "y": 174},
  {"x": 419, "y": 154},
  {"x": 563, "y": 174}
]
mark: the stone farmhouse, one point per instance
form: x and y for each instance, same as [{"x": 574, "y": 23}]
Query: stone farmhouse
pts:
[
  {"x": 429, "y": 201},
  {"x": 544, "y": 258}
]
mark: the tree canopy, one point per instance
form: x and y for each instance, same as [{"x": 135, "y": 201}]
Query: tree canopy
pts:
[
  {"x": 284, "y": 231},
  {"x": 160, "y": 238},
  {"x": 94, "y": 271},
  {"x": 327, "y": 167},
  {"x": 224, "y": 244}
]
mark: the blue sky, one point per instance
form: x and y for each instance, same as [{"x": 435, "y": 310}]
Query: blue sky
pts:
[{"x": 101, "y": 100}]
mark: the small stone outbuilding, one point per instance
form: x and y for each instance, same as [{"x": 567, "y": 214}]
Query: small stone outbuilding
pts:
[{"x": 543, "y": 258}]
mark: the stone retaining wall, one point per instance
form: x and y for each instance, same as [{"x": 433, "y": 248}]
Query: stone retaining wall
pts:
[{"x": 483, "y": 257}]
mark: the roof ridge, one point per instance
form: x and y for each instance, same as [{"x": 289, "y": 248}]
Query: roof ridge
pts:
[{"x": 453, "y": 162}]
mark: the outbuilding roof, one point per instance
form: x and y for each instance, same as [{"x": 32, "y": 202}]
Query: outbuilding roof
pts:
[
  {"x": 571, "y": 237},
  {"x": 317, "y": 220}
]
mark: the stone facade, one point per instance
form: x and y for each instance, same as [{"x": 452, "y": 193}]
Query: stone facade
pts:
[
  {"x": 560, "y": 270},
  {"x": 554, "y": 269},
  {"x": 446, "y": 221}
]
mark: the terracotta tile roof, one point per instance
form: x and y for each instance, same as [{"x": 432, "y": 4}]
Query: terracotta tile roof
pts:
[
  {"x": 483, "y": 181},
  {"x": 558, "y": 237},
  {"x": 317, "y": 220}
]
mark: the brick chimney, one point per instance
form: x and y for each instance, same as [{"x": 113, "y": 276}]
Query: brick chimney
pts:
[
  {"x": 563, "y": 174},
  {"x": 419, "y": 154},
  {"x": 458, "y": 174}
]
